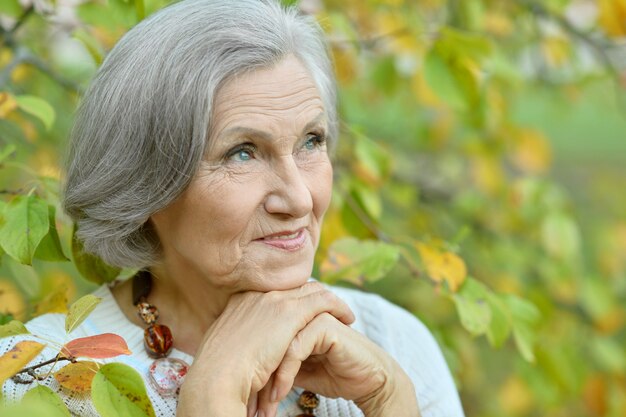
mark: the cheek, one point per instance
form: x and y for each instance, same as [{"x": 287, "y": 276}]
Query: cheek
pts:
[{"x": 321, "y": 188}]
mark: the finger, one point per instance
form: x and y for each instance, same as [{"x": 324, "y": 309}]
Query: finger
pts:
[
  {"x": 324, "y": 300},
  {"x": 265, "y": 400},
  {"x": 315, "y": 339},
  {"x": 252, "y": 404}
]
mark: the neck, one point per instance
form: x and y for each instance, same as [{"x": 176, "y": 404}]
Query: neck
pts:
[{"x": 187, "y": 305}]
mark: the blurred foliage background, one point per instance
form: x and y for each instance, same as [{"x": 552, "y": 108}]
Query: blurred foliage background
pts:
[{"x": 480, "y": 179}]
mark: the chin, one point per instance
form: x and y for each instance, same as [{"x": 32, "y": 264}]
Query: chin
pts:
[{"x": 286, "y": 279}]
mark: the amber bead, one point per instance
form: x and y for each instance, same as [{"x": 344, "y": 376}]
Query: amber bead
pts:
[
  {"x": 158, "y": 340},
  {"x": 308, "y": 401},
  {"x": 147, "y": 312}
]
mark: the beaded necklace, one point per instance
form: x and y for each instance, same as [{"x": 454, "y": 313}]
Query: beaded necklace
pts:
[{"x": 165, "y": 374}]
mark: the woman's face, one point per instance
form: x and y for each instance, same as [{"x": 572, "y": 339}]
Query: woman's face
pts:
[{"x": 251, "y": 217}]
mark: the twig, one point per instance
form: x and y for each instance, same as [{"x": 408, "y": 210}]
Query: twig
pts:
[
  {"x": 599, "y": 49},
  {"x": 19, "y": 379},
  {"x": 21, "y": 20},
  {"x": 23, "y": 56}
]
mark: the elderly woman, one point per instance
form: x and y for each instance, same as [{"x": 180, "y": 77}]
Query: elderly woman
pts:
[{"x": 200, "y": 155}]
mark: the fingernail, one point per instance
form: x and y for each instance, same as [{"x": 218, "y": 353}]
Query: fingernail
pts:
[
  {"x": 274, "y": 395},
  {"x": 260, "y": 413}
]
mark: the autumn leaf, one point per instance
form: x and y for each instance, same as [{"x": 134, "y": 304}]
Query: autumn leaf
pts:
[
  {"x": 7, "y": 104},
  {"x": 11, "y": 300},
  {"x": 79, "y": 311},
  {"x": 18, "y": 357},
  {"x": 443, "y": 266},
  {"x": 102, "y": 346},
  {"x": 77, "y": 376},
  {"x": 613, "y": 17},
  {"x": 54, "y": 302}
]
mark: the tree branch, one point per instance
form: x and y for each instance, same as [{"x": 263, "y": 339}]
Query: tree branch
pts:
[
  {"x": 19, "y": 379},
  {"x": 23, "y": 56}
]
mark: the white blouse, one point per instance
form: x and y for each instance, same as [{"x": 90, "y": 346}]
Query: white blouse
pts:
[{"x": 398, "y": 332}]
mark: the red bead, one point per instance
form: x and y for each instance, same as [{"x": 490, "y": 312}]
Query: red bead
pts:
[{"x": 158, "y": 340}]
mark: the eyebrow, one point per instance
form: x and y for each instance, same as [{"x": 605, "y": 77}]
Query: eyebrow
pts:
[{"x": 249, "y": 131}]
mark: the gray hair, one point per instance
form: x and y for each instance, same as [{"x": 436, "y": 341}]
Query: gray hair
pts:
[{"x": 142, "y": 128}]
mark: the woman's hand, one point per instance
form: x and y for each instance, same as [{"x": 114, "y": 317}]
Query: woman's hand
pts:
[
  {"x": 331, "y": 359},
  {"x": 247, "y": 343}
]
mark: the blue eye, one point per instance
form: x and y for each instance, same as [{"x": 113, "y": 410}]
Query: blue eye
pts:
[
  {"x": 314, "y": 141},
  {"x": 241, "y": 153}
]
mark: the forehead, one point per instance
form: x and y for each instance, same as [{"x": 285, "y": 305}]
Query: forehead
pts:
[{"x": 283, "y": 94}]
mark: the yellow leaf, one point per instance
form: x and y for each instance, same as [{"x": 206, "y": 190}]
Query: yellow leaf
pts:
[
  {"x": 497, "y": 23},
  {"x": 423, "y": 92},
  {"x": 595, "y": 395},
  {"x": 53, "y": 302},
  {"x": 7, "y": 104},
  {"x": 6, "y": 54},
  {"x": 556, "y": 50},
  {"x": 11, "y": 300},
  {"x": 18, "y": 357},
  {"x": 443, "y": 266},
  {"x": 21, "y": 73},
  {"x": 334, "y": 262},
  {"x": 77, "y": 376},
  {"x": 612, "y": 17},
  {"x": 531, "y": 151},
  {"x": 515, "y": 397},
  {"x": 332, "y": 229},
  {"x": 345, "y": 63},
  {"x": 487, "y": 173}
]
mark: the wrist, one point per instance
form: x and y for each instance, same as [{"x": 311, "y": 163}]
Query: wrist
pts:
[
  {"x": 395, "y": 397},
  {"x": 210, "y": 398}
]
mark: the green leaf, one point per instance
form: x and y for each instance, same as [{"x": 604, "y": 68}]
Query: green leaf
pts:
[
  {"x": 560, "y": 236},
  {"x": 525, "y": 317},
  {"x": 374, "y": 158},
  {"x": 91, "y": 44},
  {"x": 50, "y": 248},
  {"x": 289, "y": 2},
  {"x": 11, "y": 131},
  {"x": 13, "y": 328},
  {"x": 609, "y": 354},
  {"x": 358, "y": 260},
  {"x": 6, "y": 318},
  {"x": 38, "y": 107},
  {"x": 472, "y": 305},
  {"x": 26, "y": 277},
  {"x": 45, "y": 396},
  {"x": 11, "y": 8},
  {"x": 440, "y": 77},
  {"x": 6, "y": 152},
  {"x": 118, "y": 390},
  {"x": 368, "y": 198},
  {"x": 79, "y": 311},
  {"x": 25, "y": 225},
  {"x": 500, "y": 324},
  {"x": 112, "y": 15},
  {"x": 90, "y": 266},
  {"x": 31, "y": 409},
  {"x": 385, "y": 76}
]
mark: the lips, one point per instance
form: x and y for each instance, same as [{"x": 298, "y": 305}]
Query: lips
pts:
[{"x": 286, "y": 240}]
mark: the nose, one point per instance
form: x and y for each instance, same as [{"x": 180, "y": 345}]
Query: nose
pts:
[{"x": 289, "y": 193}]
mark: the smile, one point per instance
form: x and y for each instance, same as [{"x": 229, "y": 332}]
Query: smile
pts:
[{"x": 290, "y": 241}]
